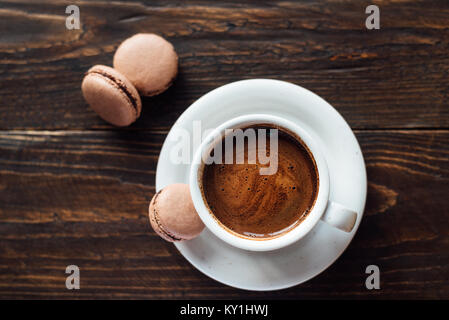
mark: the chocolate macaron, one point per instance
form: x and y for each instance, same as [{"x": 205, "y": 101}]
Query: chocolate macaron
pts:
[
  {"x": 148, "y": 61},
  {"x": 111, "y": 95},
  {"x": 172, "y": 214}
]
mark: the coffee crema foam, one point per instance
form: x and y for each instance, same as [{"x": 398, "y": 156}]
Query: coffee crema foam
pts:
[{"x": 259, "y": 206}]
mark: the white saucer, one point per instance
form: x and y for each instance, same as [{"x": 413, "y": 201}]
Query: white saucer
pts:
[{"x": 348, "y": 185}]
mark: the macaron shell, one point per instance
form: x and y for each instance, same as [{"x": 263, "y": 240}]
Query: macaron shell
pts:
[
  {"x": 176, "y": 214},
  {"x": 155, "y": 223},
  {"x": 148, "y": 61},
  {"x": 111, "y": 95}
]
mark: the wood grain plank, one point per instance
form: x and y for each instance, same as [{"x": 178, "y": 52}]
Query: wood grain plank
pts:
[
  {"x": 395, "y": 77},
  {"x": 81, "y": 197}
]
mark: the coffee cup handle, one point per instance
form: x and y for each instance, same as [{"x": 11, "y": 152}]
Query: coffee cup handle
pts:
[{"x": 339, "y": 216}]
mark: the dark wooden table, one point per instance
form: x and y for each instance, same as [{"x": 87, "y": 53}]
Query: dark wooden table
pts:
[{"x": 74, "y": 190}]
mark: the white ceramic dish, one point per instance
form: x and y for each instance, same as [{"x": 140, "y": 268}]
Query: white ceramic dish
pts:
[
  {"x": 330, "y": 212},
  {"x": 315, "y": 252}
]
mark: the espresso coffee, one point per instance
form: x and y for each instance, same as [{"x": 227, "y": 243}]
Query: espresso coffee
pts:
[{"x": 258, "y": 206}]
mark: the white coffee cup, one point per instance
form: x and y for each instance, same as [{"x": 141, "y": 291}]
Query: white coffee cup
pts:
[{"x": 330, "y": 212}]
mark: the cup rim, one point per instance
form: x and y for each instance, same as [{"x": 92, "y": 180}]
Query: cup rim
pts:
[{"x": 291, "y": 236}]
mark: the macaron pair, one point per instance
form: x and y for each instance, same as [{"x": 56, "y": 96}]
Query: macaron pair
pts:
[
  {"x": 144, "y": 64},
  {"x": 173, "y": 215}
]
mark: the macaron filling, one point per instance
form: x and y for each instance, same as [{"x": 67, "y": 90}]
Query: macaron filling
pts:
[{"x": 120, "y": 86}]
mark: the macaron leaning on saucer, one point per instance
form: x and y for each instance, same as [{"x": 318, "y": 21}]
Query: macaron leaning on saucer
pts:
[
  {"x": 111, "y": 95},
  {"x": 148, "y": 61},
  {"x": 172, "y": 214}
]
